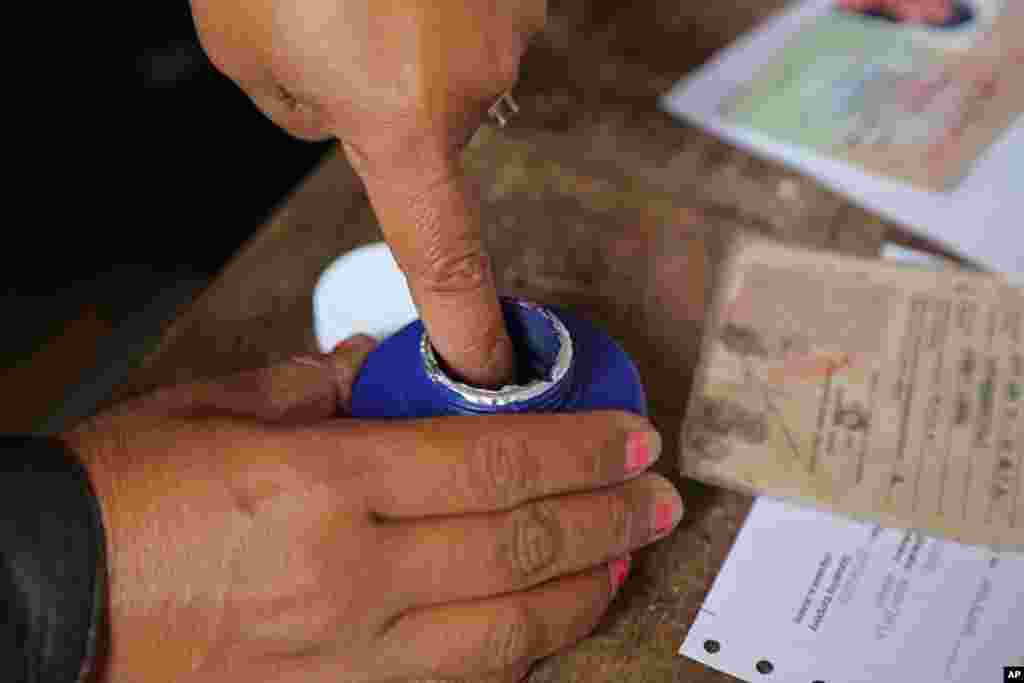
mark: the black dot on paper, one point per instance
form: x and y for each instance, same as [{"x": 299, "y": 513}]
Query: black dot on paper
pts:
[
  {"x": 765, "y": 667},
  {"x": 712, "y": 646}
]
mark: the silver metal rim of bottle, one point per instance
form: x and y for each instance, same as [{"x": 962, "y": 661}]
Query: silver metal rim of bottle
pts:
[{"x": 510, "y": 393}]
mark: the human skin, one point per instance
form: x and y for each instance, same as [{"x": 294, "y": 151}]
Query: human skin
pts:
[
  {"x": 252, "y": 535},
  {"x": 403, "y": 85}
]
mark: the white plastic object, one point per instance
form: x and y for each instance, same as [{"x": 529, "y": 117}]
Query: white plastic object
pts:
[{"x": 362, "y": 291}]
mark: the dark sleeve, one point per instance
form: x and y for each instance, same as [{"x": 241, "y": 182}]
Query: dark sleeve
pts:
[{"x": 53, "y": 568}]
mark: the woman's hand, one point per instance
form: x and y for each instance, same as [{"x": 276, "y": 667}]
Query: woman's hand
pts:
[
  {"x": 403, "y": 84},
  {"x": 254, "y": 537}
]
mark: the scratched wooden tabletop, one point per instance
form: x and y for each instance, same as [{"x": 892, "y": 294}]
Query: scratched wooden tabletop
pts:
[{"x": 593, "y": 199}]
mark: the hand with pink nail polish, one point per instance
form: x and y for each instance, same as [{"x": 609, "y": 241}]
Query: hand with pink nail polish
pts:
[{"x": 255, "y": 535}]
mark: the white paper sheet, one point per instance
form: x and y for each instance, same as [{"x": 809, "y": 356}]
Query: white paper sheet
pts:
[
  {"x": 812, "y": 597},
  {"x": 982, "y": 218}
]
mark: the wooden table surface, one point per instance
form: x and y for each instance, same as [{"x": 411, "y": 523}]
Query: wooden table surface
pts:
[{"x": 595, "y": 200}]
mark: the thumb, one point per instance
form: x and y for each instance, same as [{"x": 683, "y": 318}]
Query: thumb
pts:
[
  {"x": 302, "y": 390},
  {"x": 341, "y": 366},
  {"x": 315, "y": 387}
]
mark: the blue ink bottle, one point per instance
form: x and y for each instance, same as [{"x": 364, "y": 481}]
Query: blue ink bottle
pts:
[{"x": 566, "y": 364}]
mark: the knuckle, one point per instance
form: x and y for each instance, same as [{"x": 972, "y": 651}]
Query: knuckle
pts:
[
  {"x": 455, "y": 271},
  {"x": 510, "y": 639},
  {"x": 502, "y": 470},
  {"x": 532, "y": 543}
]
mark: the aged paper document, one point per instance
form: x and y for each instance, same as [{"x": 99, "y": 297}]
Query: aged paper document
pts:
[
  {"x": 871, "y": 389},
  {"x": 897, "y": 99},
  {"x": 936, "y": 107}
]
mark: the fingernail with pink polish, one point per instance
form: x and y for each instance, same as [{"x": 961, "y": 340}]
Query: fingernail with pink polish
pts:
[
  {"x": 619, "y": 570},
  {"x": 666, "y": 515},
  {"x": 642, "y": 449},
  {"x": 354, "y": 340}
]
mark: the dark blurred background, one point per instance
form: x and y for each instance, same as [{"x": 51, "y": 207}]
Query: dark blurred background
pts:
[
  {"x": 212, "y": 166},
  {"x": 193, "y": 171}
]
